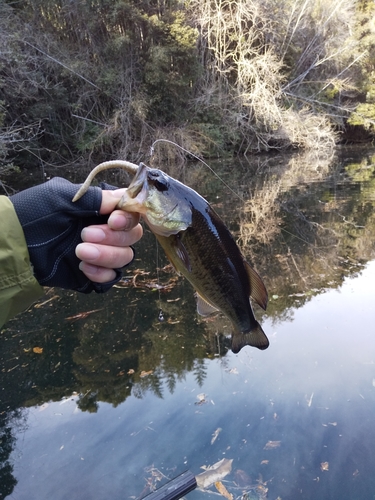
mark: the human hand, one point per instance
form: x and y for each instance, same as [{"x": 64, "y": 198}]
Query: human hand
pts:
[
  {"x": 106, "y": 247},
  {"x": 53, "y": 225}
]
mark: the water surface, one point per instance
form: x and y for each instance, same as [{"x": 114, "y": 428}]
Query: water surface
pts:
[{"x": 101, "y": 400}]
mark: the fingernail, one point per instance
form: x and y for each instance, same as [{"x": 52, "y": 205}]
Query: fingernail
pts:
[
  {"x": 89, "y": 252},
  {"x": 120, "y": 221},
  {"x": 93, "y": 234}
]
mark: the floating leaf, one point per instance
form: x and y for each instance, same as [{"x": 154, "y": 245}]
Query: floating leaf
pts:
[
  {"x": 215, "y": 435},
  {"x": 309, "y": 402},
  {"x": 201, "y": 399},
  {"x": 214, "y": 473},
  {"x": 243, "y": 480},
  {"x": 324, "y": 466},
  {"x": 144, "y": 374},
  {"x": 82, "y": 315},
  {"x": 38, "y": 350},
  {"x": 270, "y": 445},
  {"x": 223, "y": 491},
  {"x": 41, "y": 304}
]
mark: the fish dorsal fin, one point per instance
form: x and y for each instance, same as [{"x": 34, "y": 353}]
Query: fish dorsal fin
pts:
[
  {"x": 258, "y": 290},
  {"x": 204, "y": 308}
]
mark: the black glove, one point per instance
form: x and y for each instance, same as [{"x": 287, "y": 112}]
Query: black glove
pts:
[{"x": 52, "y": 225}]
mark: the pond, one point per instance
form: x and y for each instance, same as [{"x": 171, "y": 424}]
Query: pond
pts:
[{"x": 99, "y": 399}]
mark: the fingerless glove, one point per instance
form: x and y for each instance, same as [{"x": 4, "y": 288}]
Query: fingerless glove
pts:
[{"x": 52, "y": 225}]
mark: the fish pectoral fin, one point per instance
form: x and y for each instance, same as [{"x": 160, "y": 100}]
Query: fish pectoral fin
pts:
[
  {"x": 204, "y": 308},
  {"x": 258, "y": 290},
  {"x": 175, "y": 252},
  {"x": 182, "y": 253},
  {"x": 255, "y": 338}
]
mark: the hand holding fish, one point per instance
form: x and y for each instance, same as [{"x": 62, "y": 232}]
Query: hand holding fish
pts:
[
  {"x": 107, "y": 246},
  {"x": 198, "y": 245}
]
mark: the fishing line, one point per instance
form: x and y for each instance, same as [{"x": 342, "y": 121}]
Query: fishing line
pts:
[
  {"x": 199, "y": 159},
  {"x": 152, "y": 150},
  {"x": 160, "y": 315}
]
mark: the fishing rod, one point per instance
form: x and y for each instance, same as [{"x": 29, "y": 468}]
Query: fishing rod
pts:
[{"x": 175, "y": 488}]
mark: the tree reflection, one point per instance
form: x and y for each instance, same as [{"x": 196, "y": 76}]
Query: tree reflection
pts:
[{"x": 318, "y": 229}]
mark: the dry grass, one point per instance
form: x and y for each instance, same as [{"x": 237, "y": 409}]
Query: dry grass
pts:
[{"x": 252, "y": 44}]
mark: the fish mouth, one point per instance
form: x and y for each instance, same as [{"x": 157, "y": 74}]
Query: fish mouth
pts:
[{"x": 139, "y": 181}]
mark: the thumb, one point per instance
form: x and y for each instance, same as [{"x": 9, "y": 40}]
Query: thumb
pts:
[{"x": 110, "y": 200}]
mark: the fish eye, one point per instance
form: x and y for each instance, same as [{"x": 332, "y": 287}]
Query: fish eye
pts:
[
  {"x": 161, "y": 185},
  {"x": 157, "y": 179}
]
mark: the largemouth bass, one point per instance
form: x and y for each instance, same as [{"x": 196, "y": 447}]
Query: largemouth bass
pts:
[{"x": 200, "y": 247}]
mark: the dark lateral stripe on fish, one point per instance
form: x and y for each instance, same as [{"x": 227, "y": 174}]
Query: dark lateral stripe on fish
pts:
[{"x": 255, "y": 338}]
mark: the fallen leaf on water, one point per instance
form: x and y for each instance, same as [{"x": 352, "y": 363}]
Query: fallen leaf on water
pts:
[
  {"x": 223, "y": 491},
  {"x": 214, "y": 473},
  {"x": 309, "y": 402},
  {"x": 215, "y": 435},
  {"x": 82, "y": 315},
  {"x": 242, "y": 479},
  {"x": 201, "y": 399},
  {"x": 144, "y": 374},
  {"x": 131, "y": 371},
  {"x": 38, "y": 350},
  {"x": 172, "y": 321},
  {"x": 41, "y": 304},
  {"x": 324, "y": 466},
  {"x": 264, "y": 462},
  {"x": 262, "y": 490},
  {"x": 270, "y": 445}
]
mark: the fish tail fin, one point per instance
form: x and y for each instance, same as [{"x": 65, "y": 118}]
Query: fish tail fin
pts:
[{"x": 255, "y": 338}]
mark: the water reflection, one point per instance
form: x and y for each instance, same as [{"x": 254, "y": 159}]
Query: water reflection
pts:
[{"x": 135, "y": 411}]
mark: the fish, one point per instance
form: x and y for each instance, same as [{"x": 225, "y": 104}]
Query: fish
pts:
[
  {"x": 200, "y": 247},
  {"x": 215, "y": 473}
]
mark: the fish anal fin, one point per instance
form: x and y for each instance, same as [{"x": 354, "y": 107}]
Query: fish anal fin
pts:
[
  {"x": 258, "y": 290},
  {"x": 255, "y": 338},
  {"x": 204, "y": 308}
]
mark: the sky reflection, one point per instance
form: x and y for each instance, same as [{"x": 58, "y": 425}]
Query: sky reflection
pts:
[{"x": 313, "y": 391}]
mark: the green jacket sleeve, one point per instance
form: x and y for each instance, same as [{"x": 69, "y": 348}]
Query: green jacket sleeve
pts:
[{"x": 18, "y": 286}]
